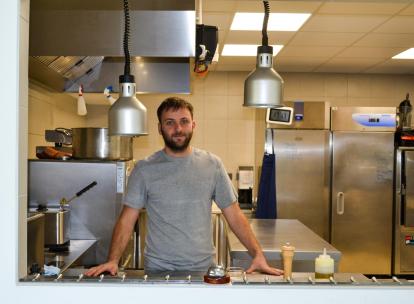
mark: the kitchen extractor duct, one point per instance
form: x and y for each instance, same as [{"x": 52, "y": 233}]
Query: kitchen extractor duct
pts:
[{"x": 80, "y": 42}]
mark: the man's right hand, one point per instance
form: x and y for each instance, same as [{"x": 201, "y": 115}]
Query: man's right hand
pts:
[{"x": 111, "y": 267}]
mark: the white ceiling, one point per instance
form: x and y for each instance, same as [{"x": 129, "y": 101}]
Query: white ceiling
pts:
[{"x": 341, "y": 36}]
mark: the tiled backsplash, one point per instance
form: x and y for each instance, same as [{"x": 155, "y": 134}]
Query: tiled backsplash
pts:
[
  {"x": 49, "y": 110},
  {"x": 223, "y": 125}
]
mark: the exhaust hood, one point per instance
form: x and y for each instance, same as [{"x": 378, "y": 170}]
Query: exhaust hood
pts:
[{"x": 80, "y": 42}]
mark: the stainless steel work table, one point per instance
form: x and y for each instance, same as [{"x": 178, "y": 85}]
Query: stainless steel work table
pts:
[{"x": 273, "y": 234}]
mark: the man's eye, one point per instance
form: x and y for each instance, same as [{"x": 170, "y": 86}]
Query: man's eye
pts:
[
  {"x": 169, "y": 123},
  {"x": 185, "y": 121}
]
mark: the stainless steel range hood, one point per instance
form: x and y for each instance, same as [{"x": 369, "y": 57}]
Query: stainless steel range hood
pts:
[{"x": 80, "y": 42}]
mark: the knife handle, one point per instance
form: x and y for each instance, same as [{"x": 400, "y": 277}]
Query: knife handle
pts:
[{"x": 94, "y": 183}]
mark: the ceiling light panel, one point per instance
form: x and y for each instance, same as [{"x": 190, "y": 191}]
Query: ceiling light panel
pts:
[
  {"x": 407, "y": 54},
  {"x": 288, "y": 22},
  {"x": 245, "y": 49}
]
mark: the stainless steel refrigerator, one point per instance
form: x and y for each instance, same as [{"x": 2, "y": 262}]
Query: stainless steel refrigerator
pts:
[
  {"x": 362, "y": 187},
  {"x": 303, "y": 167},
  {"x": 403, "y": 262},
  {"x": 92, "y": 215}
]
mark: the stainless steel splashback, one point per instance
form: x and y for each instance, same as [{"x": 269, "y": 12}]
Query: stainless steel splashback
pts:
[{"x": 93, "y": 214}]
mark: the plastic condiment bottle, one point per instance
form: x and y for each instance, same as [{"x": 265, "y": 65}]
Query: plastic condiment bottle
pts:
[
  {"x": 324, "y": 266},
  {"x": 288, "y": 252}
]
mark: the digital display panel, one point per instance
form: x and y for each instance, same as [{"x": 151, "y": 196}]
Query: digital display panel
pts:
[{"x": 279, "y": 115}]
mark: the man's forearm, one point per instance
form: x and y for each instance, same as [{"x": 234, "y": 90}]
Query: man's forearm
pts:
[
  {"x": 241, "y": 228},
  {"x": 121, "y": 235}
]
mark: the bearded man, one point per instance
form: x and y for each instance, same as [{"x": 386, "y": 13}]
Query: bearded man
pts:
[{"x": 176, "y": 186}]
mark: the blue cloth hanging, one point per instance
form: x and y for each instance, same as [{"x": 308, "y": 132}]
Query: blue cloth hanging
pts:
[{"x": 266, "y": 200}]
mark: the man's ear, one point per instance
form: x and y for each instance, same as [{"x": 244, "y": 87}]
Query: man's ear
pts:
[
  {"x": 159, "y": 128},
  {"x": 194, "y": 124}
]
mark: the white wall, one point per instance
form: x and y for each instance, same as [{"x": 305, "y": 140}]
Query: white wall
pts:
[{"x": 9, "y": 153}]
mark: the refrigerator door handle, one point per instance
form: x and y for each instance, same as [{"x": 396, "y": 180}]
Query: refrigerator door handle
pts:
[{"x": 340, "y": 203}]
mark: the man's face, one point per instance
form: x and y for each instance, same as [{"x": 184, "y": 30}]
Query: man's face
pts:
[{"x": 176, "y": 128}]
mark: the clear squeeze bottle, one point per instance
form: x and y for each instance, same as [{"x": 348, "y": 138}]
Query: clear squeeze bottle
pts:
[{"x": 324, "y": 266}]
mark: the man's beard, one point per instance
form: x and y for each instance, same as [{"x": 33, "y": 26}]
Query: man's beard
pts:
[{"x": 174, "y": 146}]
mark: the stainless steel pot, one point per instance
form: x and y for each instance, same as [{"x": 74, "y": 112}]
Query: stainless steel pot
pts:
[
  {"x": 95, "y": 143},
  {"x": 57, "y": 227}
]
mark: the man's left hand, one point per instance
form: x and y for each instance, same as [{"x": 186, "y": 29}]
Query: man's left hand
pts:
[{"x": 259, "y": 264}]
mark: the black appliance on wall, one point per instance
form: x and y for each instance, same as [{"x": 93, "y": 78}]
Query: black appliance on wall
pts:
[
  {"x": 245, "y": 187},
  {"x": 405, "y": 134}
]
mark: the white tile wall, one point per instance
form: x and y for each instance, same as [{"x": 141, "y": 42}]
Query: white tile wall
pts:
[
  {"x": 359, "y": 86},
  {"x": 336, "y": 85},
  {"x": 49, "y": 110},
  {"x": 97, "y": 116},
  {"x": 224, "y": 126}
]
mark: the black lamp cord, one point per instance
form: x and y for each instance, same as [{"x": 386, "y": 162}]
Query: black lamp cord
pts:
[
  {"x": 265, "y": 20},
  {"x": 126, "y": 39}
]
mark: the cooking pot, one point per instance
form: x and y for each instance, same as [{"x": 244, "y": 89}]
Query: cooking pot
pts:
[{"x": 95, "y": 143}]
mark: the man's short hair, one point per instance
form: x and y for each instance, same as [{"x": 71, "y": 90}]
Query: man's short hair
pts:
[{"x": 174, "y": 103}]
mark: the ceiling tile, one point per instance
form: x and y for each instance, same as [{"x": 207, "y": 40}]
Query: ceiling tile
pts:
[
  {"x": 218, "y": 5},
  {"x": 324, "y": 39},
  {"x": 221, "y": 20},
  {"x": 398, "y": 25},
  {"x": 348, "y": 65},
  {"x": 344, "y": 36},
  {"x": 309, "y": 51},
  {"x": 279, "y": 6},
  {"x": 386, "y": 40},
  {"x": 367, "y": 52},
  {"x": 297, "y": 64},
  {"x": 408, "y": 11},
  {"x": 235, "y": 67},
  {"x": 343, "y": 23},
  {"x": 364, "y": 8},
  {"x": 255, "y": 37},
  {"x": 394, "y": 66},
  {"x": 237, "y": 60},
  {"x": 222, "y": 35}
]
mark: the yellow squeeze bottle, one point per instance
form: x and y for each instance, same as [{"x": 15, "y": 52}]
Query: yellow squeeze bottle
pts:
[{"x": 324, "y": 266}]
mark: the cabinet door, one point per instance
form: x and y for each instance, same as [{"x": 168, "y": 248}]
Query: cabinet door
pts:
[
  {"x": 362, "y": 185},
  {"x": 409, "y": 188},
  {"x": 302, "y": 177}
]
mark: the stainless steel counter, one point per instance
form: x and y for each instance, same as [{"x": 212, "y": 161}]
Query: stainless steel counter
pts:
[
  {"x": 139, "y": 277},
  {"x": 272, "y": 234},
  {"x": 65, "y": 259}
]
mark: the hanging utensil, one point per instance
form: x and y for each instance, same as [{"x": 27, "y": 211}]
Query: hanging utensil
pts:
[{"x": 63, "y": 202}]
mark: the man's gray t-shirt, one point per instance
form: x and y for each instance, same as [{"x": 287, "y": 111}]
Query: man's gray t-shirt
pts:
[{"x": 177, "y": 193}]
